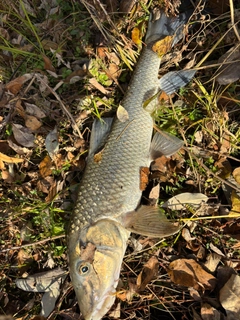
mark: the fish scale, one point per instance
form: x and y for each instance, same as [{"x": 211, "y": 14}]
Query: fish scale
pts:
[{"x": 110, "y": 187}]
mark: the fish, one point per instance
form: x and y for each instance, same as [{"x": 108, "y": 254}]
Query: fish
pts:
[{"x": 108, "y": 206}]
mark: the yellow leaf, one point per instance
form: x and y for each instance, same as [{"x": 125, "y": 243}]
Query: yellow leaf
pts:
[
  {"x": 136, "y": 35},
  {"x": 8, "y": 159},
  {"x": 163, "y": 46},
  {"x": 235, "y": 199},
  {"x": 45, "y": 167},
  {"x": 236, "y": 174}
]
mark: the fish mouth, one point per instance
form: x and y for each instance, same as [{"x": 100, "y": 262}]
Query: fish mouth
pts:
[{"x": 103, "y": 306}]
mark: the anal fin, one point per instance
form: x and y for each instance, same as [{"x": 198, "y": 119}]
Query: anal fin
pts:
[
  {"x": 164, "y": 143},
  {"x": 149, "y": 221}
]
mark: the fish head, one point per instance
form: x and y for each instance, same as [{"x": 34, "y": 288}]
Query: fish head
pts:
[{"x": 95, "y": 265}]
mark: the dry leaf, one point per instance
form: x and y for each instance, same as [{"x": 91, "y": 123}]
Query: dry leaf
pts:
[
  {"x": 229, "y": 72},
  {"x": 48, "y": 64},
  {"x": 15, "y": 85},
  {"x": 19, "y": 108},
  {"x": 23, "y": 257},
  {"x": 136, "y": 36},
  {"x": 32, "y": 123},
  {"x": 236, "y": 174},
  {"x": 224, "y": 167},
  {"x": 8, "y": 159},
  {"x": 235, "y": 199},
  {"x": 20, "y": 150},
  {"x": 52, "y": 192},
  {"x": 98, "y": 86},
  {"x": 216, "y": 250},
  {"x": 45, "y": 184},
  {"x": 122, "y": 114},
  {"x": 189, "y": 273},
  {"x": 45, "y": 167},
  {"x": 34, "y": 110},
  {"x": 76, "y": 76},
  {"x": 148, "y": 273},
  {"x": 144, "y": 173},
  {"x": 212, "y": 262},
  {"x": 210, "y": 313},
  {"x": 51, "y": 143},
  {"x": 230, "y": 297},
  {"x": 163, "y": 46},
  {"x": 7, "y": 176},
  {"x": 154, "y": 194},
  {"x": 2, "y": 166},
  {"x": 180, "y": 201},
  {"x": 198, "y": 135},
  {"x": 23, "y": 136},
  {"x": 48, "y": 44},
  {"x": 186, "y": 235}
]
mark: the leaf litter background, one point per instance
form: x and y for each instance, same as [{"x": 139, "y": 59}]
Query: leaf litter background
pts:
[{"x": 64, "y": 63}]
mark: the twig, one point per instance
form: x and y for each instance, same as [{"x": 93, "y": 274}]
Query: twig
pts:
[
  {"x": 33, "y": 243},
  {"x": 232, "y": 20},
  {"x": 62, "y": 105},
  {"x": 210, "y": 172}
]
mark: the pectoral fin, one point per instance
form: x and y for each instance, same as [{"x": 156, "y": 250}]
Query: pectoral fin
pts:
[
  {"x": 164, "y": 143},
  {"x": 149, "y": 221},
  {"x": 174, "y": 80},
  {"x": 100, "y": 131}
]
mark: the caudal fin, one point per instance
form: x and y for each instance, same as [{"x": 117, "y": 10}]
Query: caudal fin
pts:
[{"x": 166, "y": 26}]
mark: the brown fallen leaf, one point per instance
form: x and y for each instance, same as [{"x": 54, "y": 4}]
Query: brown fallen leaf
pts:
[
  {"x": 48, "y": 63},
  {"x": 7, "y": 176},
  {"x": 229, "y": 297},
  {"x": 98, "y": 86},
  {"x": 48, "y": 44},
  {"x": 224, "y": 167},
  {"x": 75, "y": 76},
  {"x": 212, "y": 262},
  {"x": 44, "y": 185},
  {"x": 236, "y": 174},
  {"x": 32, "y": 123},
  {"x": 15, "y": 85},
  {"x": 23, "y": 136},
  {"x": 210, "y": 313},
  {"x": 144, "y": 173},
  {"x": 45, "y": 167},
  {"x": 189, "y": 273},
  {"x": 34, "y": 110},
  {"x": 52, "y": 192},
  {"x": 148, "y": 273},
  {"x": 23, "y": 257},
  {"x": 19, "y": 108},
  {"x": 235, "y": 199}
]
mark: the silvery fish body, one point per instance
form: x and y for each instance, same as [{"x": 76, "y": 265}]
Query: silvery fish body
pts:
[{"x": 106, "y": 210}]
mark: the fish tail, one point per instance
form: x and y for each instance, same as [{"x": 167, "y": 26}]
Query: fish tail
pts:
[{"x": 162, "y": 26}]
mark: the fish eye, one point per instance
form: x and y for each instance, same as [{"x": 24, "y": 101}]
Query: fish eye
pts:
[{"x": 83, "y": 269}]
